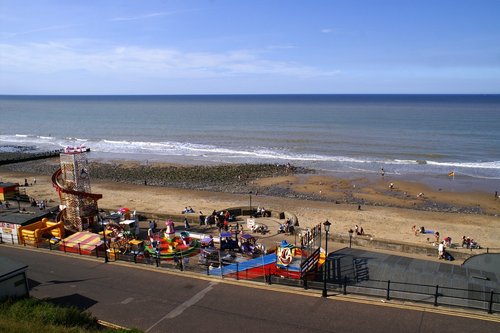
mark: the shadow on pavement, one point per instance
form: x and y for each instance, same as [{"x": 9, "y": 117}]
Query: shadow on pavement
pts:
[{"x": 76, "y": 300}]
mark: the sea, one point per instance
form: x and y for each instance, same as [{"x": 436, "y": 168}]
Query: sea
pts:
[{"x": 408, "y": 136}]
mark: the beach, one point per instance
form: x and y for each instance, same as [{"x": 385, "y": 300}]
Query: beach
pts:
[{"x": 384, "y": 213}]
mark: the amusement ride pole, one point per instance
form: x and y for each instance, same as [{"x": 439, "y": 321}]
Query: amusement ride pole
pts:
[
  {"x": 327, "y": 229},
  {"x": 105, "y": 243}
]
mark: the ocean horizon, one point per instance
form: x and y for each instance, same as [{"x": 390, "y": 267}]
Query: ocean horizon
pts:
[{"x": 406, "y": 135}]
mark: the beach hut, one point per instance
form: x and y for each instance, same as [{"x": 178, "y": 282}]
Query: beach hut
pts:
[
  {"x": 11, "y": 221},
  {"x": 9, "y": 191}
]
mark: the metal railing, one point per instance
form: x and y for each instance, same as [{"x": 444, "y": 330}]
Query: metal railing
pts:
[
  {"x": 420, "y": 293},
  {"x": 388, "y": 289}
]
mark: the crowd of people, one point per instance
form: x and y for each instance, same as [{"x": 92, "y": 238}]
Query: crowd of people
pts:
[
  {"x": 469, "y": 243},
  {"x": 287, "y": 227},
  {"x": 446, "y": 242}
]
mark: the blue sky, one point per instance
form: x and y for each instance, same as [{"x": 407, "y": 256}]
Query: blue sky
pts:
[{"x": 249, "y": 47}]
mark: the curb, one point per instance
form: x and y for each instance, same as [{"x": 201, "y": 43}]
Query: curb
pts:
[{"x": 280, "y": 288}]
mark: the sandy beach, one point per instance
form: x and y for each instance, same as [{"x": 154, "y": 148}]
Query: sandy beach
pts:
[{"x": 383, "y": 212}]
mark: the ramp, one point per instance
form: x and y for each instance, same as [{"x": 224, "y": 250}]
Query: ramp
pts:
[{"x": 255, "y": 264}]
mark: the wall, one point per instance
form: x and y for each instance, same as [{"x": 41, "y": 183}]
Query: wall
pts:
[{"x": 403, "y": 247}]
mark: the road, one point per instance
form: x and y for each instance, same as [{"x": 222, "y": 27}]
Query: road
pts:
[{"x": 155, "y": 300}]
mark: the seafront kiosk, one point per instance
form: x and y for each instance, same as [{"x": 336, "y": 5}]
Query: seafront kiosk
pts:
[
  {"x": 13, "y": 281},
  {"x": 11, "y": 221}
]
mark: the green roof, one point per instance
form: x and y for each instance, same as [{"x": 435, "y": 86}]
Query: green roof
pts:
[
  {"x": 3, "y": 185},
  {"x": 9, "y": 267},
  {"x": 29, "y": 217}
]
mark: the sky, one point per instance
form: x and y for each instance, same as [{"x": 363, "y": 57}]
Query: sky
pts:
[{"x": 249, "y": 47}]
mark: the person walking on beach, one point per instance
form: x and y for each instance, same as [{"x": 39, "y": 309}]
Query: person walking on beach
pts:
[{"x": 186, "y": 223}]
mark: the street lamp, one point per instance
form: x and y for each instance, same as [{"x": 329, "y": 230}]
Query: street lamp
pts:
[
  {"x": 105, "y": 244},
  {"x": 350, "y": 237},
  {"x": 250, "y": 202},
  {"x": 327, "y": 225}
]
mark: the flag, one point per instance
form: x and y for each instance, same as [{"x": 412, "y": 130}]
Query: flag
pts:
[{"x": 451, "y": 174}]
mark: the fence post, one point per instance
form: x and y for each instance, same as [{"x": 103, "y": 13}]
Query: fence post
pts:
[
  {"x": 12, "y": 237},
  {"x": 1, "y": 238},
  {"x": 79, "y": 249},
  {"x": 436, "y": 296},
  {"x": 269, "y": 276},
  {"x": 208, "y": 269},
  {"x": 388, "y": 290},
  {"x": 237, "y": 269},
  {"x": 135, "y": 258},
  {"x": 305, "y": 282},
  {"x": 64, "y": 246},
  {"x": 50, "y": 245},
  {"x": 157, "y": 259},
  {"x": 345, "y": 285},
  {"x": 490, "y": 305}
]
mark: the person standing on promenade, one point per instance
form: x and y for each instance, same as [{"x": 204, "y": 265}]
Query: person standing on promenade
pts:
[
  {"x": 202, "y": 218},
  {"x": 441, "y": 250}
]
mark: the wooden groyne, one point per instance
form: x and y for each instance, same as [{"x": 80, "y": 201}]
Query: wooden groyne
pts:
[{"x": 10, "y": 158}]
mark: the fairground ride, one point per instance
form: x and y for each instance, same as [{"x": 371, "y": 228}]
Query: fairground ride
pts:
[{"x": 72, "y": 182}]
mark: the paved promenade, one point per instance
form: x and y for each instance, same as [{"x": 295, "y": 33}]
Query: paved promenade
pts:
[{"x": 158, "y": 300}]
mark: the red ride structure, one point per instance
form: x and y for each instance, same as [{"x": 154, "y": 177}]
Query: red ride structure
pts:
[{"x": 72, "y": 183}]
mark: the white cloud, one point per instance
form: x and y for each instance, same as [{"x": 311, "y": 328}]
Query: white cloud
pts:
[
  {"x": 52, "y": 57},
  {"x": 141, "y": 17},
  {"x": 281, "y": 47},
  {"x": 42, "y": 29}
]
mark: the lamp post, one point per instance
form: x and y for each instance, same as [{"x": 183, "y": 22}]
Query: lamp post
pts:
[
  {"x": 327, "y": 225},
  {"x": 350, "y": 237},
  {"x": 105, "y": 244},
  {"x": 250, "y": 202}
]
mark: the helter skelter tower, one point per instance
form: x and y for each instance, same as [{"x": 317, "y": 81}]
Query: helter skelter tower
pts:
[{"x": 72, "y": 182}]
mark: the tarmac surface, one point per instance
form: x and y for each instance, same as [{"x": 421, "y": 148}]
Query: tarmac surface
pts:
[
  {"x": 417, "y": 277},
  {"x": 159, "y": 300}
]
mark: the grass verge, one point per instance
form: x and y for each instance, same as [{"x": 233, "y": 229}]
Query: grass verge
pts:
[{"x": 33, "y": 315}]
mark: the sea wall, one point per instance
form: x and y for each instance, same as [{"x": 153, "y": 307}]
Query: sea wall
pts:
[
  {"x": 10, "y": 158},
  {"x": 402, "y": 247}
]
